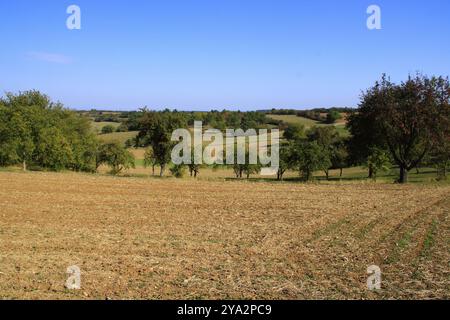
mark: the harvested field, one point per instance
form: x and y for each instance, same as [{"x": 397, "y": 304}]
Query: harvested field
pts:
[{"x": 137, "y": 238}]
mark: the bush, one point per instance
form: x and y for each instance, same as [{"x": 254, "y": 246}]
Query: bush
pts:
[
  {"x": 122, "y": 128},
  {"x": 108, "y": 129},
  {"x": 178, "y": 171},
  {"x": 116, "y": 156},
  {"x": 294, "y": 132},
  {"x": 332, "y": 117}
]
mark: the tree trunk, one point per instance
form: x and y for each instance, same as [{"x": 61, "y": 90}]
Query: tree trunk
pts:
[
  {"x": 153, "y": 170},
  {"x": 24, "y": 165},
  {"x": 327, "y": 173},
  {"x": 307, "y": 176},
  {"x": 340, "y": 174},
  {"x": 161, "y": 173},
  {"x": 403, "y": 175},
  {"x": 280, "y": 175},
  {"x": 370, "y": 172}
]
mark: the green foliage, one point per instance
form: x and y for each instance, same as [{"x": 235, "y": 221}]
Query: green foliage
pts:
[
  {"x": 115, "y": 156},
  {"x": 178, "y": 171},
  {"x": 108, "y": 129},
  {"x": 36, "y": 132},
  {"x": 286, "y": 160},
  {"x": 328, "y": 139},
  {"x": 407, "y": 119},
  {"x": 308, "y": 157},
  {"x": 246, "y": 169},
  {"x": 377, "y": 161},
  {"x": 156, "y": 131},
  {"x": 122, "y": 127},
  {"x": 339, "y": 155},
  {"x": 294, "y": 132},
  {"x": 332, "y": 117},
  {"x": 150, "y": 159}
]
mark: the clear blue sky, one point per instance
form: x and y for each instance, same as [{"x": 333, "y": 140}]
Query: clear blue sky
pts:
[{"x": 204, "y": 54}]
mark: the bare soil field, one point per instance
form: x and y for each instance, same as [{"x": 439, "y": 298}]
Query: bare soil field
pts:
[{"x": 136, "y": 238}]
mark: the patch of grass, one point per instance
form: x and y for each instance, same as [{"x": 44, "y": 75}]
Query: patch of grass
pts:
[
  {"x": 328, "y": 229},
  {"x": 293, "y": 119},
  {"x": 98, "y": 126},
  {"x": 429, "y": 239},
  {"x": 308, "y": 123},
  {"x": 120, "y": 137},
  {"x": 362, "y": 233},
  {"x": 399, "y": 247}
]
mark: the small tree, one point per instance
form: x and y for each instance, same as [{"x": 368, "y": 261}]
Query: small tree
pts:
[
  {"x": 332, "y": 117},
  {"x": 122, "y": 127},
  {"x": 285, "y": 162},
  {"x": 250, "y": 169},
  {"x": 377, "y": 161},
  {"x": 150, "y": 159},
  {"x": 339, "y": 156},
  {"x": 116, "y": 156},
  {"x": 194, "y": 169},
  {"x": 326, "y": 138},
  {"x": 156, "y": 131},
  {"x": 178, "y": 170},
  {"x": 108, "y": 129},
  {"x": 309, "y": 157}
]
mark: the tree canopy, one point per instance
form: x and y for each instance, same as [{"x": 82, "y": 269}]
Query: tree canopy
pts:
[{"x": 409, "y": 120}]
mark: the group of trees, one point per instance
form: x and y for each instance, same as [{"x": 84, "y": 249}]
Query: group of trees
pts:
[
  {"x": 320, "y": 148},
  {"x": 328, "y": 116},
  {"x": 405, "y": 125},
  {"x": 38, "y": 133}
]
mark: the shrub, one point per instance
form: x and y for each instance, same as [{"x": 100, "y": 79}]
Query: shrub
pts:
[
  {"x": 178, "y": 171},
  {"x": 108, "y": 129}
]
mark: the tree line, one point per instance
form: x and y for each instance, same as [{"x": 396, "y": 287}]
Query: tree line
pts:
[
  {"x": 406, "y": 125},
  {"x": 40, "y": 134}
]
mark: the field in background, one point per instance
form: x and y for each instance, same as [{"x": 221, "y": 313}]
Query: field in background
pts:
[
  {"x": 120, "y": 137},
  {"x": 98, "y": 126},
  {"x": 308, "y": 123},
  {"x": 167, "y": 238}
]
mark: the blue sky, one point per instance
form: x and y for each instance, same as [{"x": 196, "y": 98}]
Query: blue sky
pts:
[{"x": 215, "y": 54}]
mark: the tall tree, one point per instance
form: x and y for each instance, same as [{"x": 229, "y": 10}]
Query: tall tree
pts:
[
  {"x": 326, "y": 138},
  {"x": 156, "y": 131},
  {"x": 407, "y": 119}
]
